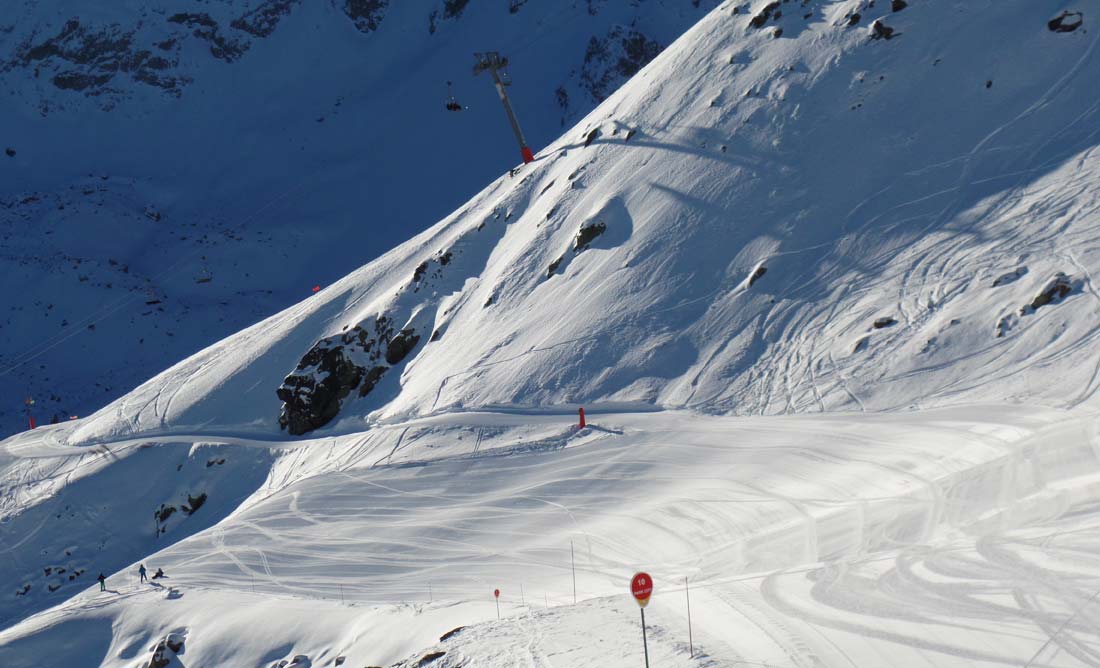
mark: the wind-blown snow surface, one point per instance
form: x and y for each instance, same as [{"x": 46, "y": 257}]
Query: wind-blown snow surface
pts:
[
  {"x": 908, "y": 200},
  {"x": 954, "y": 537}
]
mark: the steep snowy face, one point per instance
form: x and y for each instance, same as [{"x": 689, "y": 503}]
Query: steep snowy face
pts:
[
  {"x": 173, "y": 172},
  {"x": 797, "y": 207}
]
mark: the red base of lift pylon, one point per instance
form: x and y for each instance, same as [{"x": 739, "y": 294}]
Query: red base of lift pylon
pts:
[{"x": 528, "y": 156}]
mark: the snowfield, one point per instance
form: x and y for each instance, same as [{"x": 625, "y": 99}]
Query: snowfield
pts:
[
  {"x": 820, "y": 274},
  {"x": 957, "y": 536}
]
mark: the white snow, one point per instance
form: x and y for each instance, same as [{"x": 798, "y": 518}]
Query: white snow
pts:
[{"x": 929, "y": 499}]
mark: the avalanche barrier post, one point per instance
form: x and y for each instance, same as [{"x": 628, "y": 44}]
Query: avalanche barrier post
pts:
[
  {"x": 573, "y": 563},
  {"x": 691, "y": 647}
]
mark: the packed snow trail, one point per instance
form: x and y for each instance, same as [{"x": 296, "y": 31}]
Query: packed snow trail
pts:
[{"x": 830, "y": 540}]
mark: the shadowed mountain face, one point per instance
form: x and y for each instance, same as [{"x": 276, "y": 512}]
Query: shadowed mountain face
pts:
[
  {"x": 821, "y": 274},
  {"x": 173, "y": 172}
]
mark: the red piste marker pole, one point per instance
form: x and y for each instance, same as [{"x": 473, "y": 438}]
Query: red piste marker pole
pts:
[
  {"x": 496, "y": 595},
  {"x": 28, "y": 402},
  {"x": 582, "y": 423},
  {"x": 641, "y": 586}
]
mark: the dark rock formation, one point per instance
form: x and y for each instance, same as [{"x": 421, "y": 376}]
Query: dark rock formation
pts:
[
  {"x": 441, "y": 260},
  {"x": 87, "y": 58},
  {"x": 610, "y": 61},
  {"x": 10, "y": 152},
  {"x": 206, "y": 28},
  {"x": 401, "y": 345},
  {"x": 756, "y": 275},
  {"x": 884, "y": 322},
  {"x": 898, "y": 5},
  {"x": 194, "y": 503},
  {"x": 1053, "y": 291},
  {"x": 450, "y": 634},
  {"x": 586, "y": 235},
  {"x": 262, "y": 19},
  {"x": 165, "y": 651},
  {"x": 554, "y": 266},
  {"x": 428, "y": 658},
  {"x": 365, "y": 14},
  {"x": 313, "y": 393},
  {"x": 1067, "y": 21},
  {"x": 880, "y": 30},
  {"x": 770, "y": 11}
]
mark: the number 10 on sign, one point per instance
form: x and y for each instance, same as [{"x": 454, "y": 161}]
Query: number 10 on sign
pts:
[{"x": 641, "y": 586}]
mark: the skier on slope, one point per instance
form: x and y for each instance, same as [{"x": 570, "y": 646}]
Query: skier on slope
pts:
[
  {"x": 102, "y": 582},
  {"x": 141, "y": 572},
  {"x": 159, "y": 573}
]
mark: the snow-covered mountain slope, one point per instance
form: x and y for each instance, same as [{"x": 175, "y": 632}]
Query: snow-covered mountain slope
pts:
[
  {"x": 817, "y": 221},
  {"x": 951, "y": 537},
  {"x": 171, "y": 172},
  {"x": 797, "y": 223}
]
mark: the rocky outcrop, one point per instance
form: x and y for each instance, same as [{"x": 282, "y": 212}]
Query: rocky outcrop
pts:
[
  {"x": 337, "y": 365},
  {"x": 365, "y": 14},
  {"x": 262, "y": 19},
  {"x": 611, "y": 60},
  {"x": 86, "y": 58},
  {"x": 401, "y": 345},
  {"x": 757, "y": 274},
  {"x": 770, "y": 12},
  {"x": 165, "y": 652},
  {"x": 203, "y": 27},
  {"x": 880, "y": 30},
  {"x": 1053, "y": 291},
  {"x": 586, "y": 235},
  {"x": 1067, "y": 21},
  {"x": 884, "y": 322},
  {"x": 429, "y": 658}
]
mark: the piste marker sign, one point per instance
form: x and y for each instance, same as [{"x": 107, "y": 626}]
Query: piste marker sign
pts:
[{"x": 641, "y": 586}]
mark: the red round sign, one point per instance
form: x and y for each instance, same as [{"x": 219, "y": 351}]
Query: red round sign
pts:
[
  {"x": 496, "y": 593},
  {"x": 642, "y": 587}
]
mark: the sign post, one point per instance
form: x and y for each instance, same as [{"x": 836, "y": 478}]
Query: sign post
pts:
[
  {"x": 496, "y": 595},
  {"x": 641, "y": 586},
  {"x": 691, "y": 646},
  {"x": 29, "y": 403}
]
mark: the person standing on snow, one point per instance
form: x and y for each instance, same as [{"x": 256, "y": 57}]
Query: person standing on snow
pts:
[
  {"x": 102, "y": 582},
  {"x": 141, "y": 572}
]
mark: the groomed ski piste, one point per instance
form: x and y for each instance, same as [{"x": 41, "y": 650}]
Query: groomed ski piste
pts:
[{"x": 882, "y": 450}]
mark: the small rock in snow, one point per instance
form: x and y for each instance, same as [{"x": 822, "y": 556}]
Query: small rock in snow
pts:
[{"x": 1067, "y": 21}]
